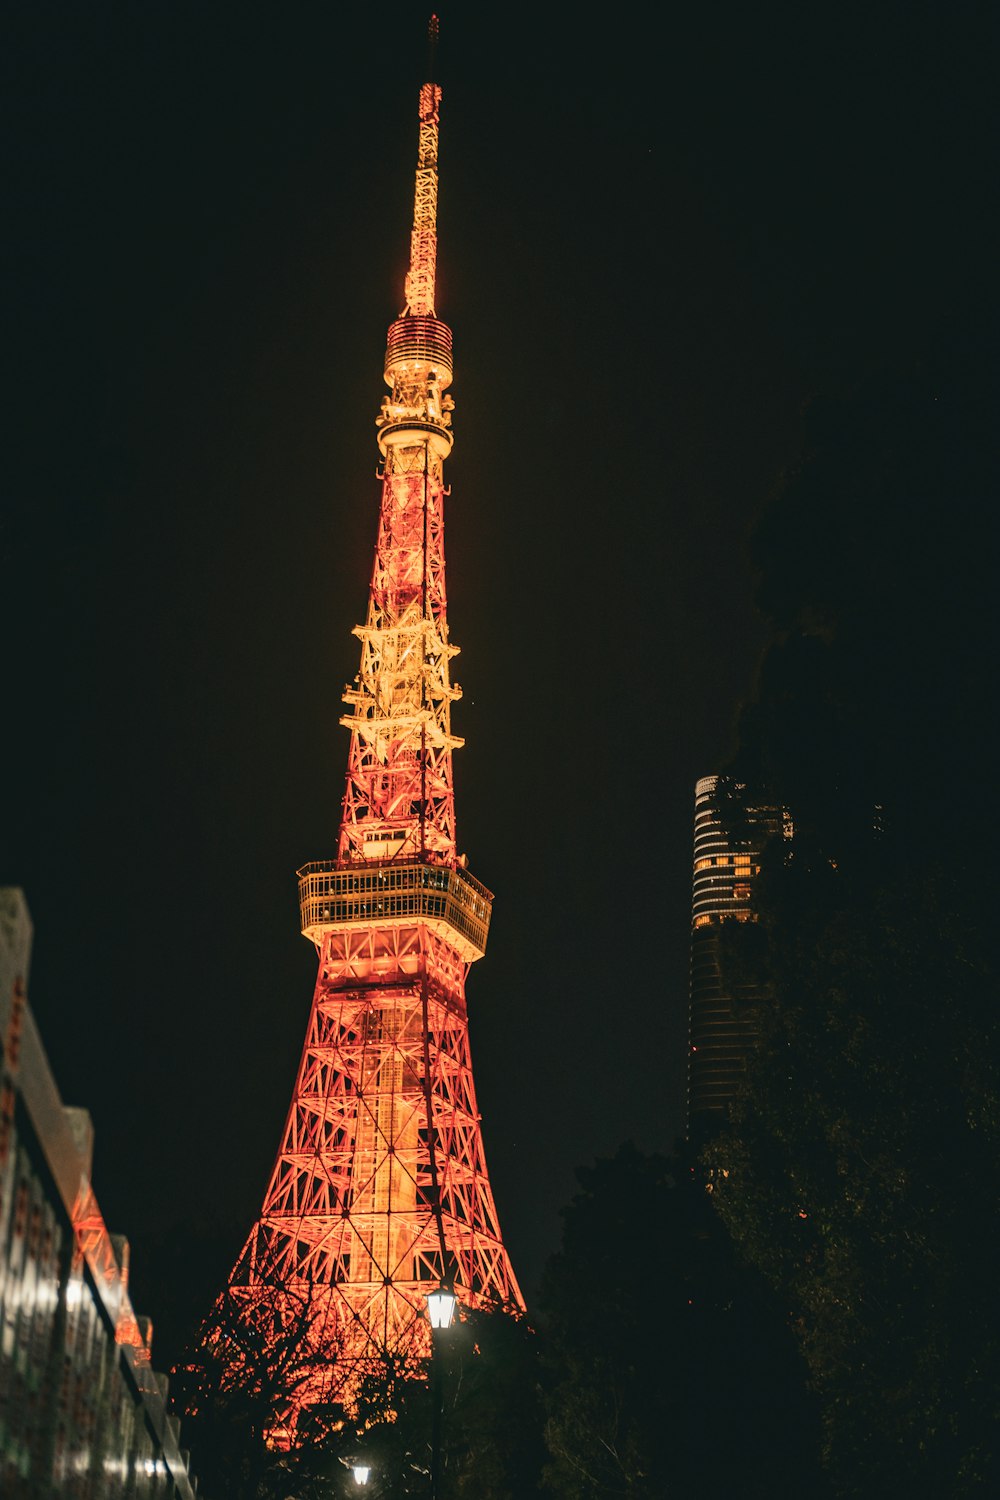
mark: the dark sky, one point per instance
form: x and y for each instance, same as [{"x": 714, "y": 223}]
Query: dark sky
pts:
[{"x": 659, "y": 235}]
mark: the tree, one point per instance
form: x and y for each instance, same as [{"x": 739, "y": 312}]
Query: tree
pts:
[
  {"x": 491, "y": 1430},
  {"x": 247, "y": 1369},
  {"x": 243, "y": 1373},
  {"x": 671, "y": 1371},
  {"x": 859, "y": 1170}
]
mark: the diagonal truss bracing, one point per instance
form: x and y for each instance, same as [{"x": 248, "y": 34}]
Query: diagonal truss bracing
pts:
[{"x": 380, "y": 1189}]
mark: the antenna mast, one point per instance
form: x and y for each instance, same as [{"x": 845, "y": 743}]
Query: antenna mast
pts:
[{"x": 419, "y": 288}]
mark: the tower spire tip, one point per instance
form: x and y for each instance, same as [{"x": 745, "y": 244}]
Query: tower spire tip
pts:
[{"x": 433, "y": 32}]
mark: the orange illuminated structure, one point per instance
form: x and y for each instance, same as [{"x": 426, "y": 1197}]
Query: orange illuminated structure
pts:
[{"x": 380, "y": 1192}]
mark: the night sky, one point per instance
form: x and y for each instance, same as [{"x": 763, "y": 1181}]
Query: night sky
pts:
[{"x": 659, "y": 234}]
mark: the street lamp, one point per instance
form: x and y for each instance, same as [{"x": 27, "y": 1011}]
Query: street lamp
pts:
[
  {"x": 361, "y": 1473},
  {"x": 441, "y": 1307},
  {"x": 441, "y": 1311}
]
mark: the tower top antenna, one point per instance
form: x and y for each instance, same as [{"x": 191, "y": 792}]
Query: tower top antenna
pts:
[
  {"x": 419, "y": 291},
  {"x": 433, "y": 32}
]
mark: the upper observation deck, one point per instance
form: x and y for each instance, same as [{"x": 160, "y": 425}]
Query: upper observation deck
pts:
[{"x": 451, "y": 901}]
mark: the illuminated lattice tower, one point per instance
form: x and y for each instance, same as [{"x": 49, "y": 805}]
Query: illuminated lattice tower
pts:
[{"x": 380, "y": 1189}]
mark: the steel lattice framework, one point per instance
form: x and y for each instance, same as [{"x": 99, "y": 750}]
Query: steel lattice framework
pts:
[{"x": 380, "y": 1189}]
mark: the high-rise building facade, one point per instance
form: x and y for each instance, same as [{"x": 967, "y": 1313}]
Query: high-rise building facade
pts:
[
  {"x": 82, "y": 1412},
  {"x": 380, "y": 1190},
  {"x": 723, "y": 1011}
]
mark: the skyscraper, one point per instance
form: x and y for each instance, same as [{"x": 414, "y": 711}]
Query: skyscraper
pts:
[
  {"x": 723, "y": 1012},
  {"x": 380, "y": 1191}
]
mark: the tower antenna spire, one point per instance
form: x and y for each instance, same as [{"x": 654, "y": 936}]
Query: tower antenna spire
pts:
[
  {"x": 419, "y": 288},
  {"x": 433, "y": 32}
]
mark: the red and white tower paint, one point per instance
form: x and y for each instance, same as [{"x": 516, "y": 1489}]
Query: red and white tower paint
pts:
[{"x": 380, "y": 1190}]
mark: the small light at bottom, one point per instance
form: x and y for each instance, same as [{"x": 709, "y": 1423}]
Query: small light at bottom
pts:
[{"x": 361, "y": 1473}]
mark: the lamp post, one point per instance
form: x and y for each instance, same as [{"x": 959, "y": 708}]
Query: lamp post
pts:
[
  {"x": 441, "y": 1307},
  {"x": 361, "y": 1473},
  {"x": 441, "y": 1311}
]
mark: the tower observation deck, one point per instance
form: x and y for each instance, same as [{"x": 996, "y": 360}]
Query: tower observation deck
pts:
[{"x": 380, "y": 1191}]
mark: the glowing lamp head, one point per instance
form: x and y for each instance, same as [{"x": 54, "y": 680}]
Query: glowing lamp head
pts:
[
  {"x": 441, "y": 1307},
  {"x": 361, "y": 1473}
]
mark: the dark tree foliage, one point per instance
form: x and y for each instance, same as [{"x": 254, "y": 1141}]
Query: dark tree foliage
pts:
[
  {"x": 671, "y": 1370},
  {"x": 239, "y": 1375},
  {"x": 491, "y": 1423},
  {"x": 492, "y": 1428},
  {"x": 860, "y": 1170},
  {"x": 875, "y": 570},
  {"x": 232, "y": 1386}
]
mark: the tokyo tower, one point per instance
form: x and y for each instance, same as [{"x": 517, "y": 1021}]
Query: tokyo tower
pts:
[{"x": 380, "y": 1191}]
